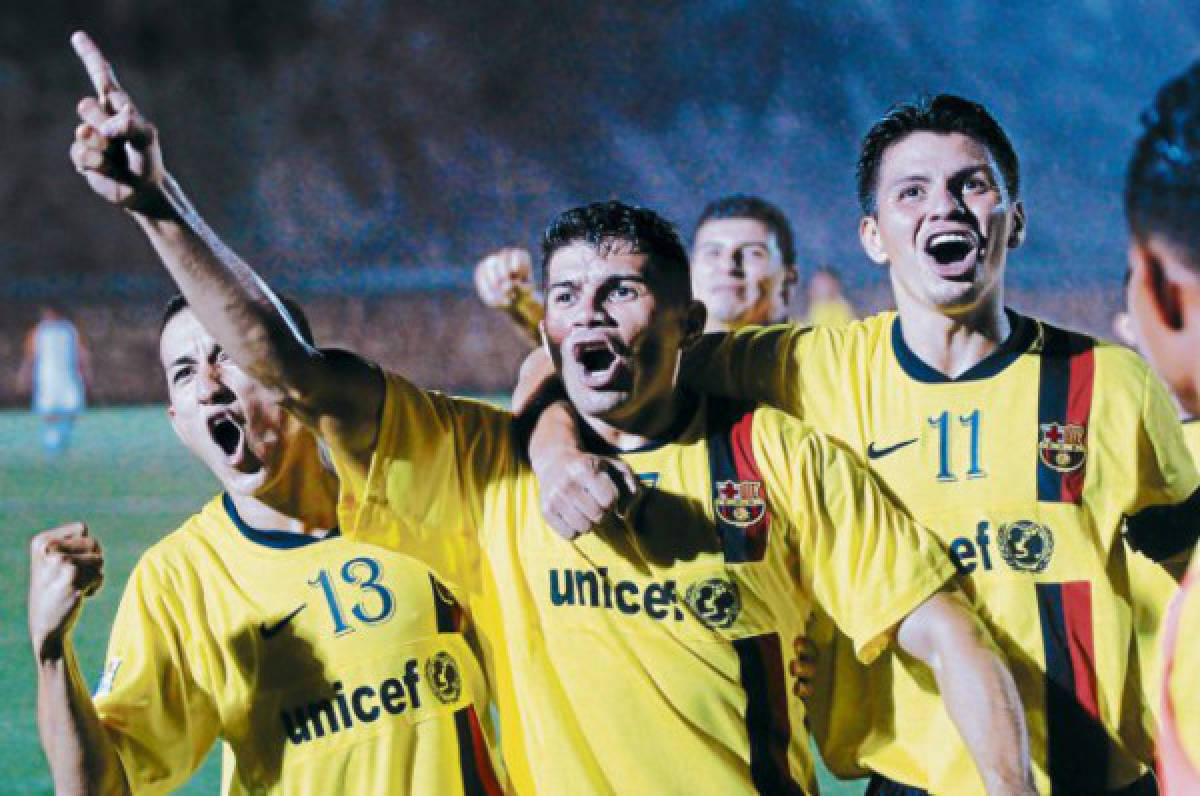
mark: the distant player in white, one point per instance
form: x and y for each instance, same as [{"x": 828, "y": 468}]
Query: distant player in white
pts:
[{"x": 55, "y": 367}]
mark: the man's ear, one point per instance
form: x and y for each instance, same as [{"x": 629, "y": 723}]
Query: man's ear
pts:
[
  {"x": 1016, "y": 235},
  {"x": 693, "y": 322},
  {"x": 1163, "y": 296},
  {"x": 868, "y": 236},
  {"x": 791, "y": 277}
]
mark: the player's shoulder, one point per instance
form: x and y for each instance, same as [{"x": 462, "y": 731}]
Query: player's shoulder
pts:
[
  {"x": 403, "y": 395},
  {"x": 178, "y": 558},
  {"x": 786, "y": 438},
  {"x": 1113, "y": 367}
]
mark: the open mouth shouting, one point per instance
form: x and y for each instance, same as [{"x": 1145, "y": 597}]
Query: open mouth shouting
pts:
[
  {"x": 599, "y": 364},
  {"x": 954, "y": 253},
  {"x": 227, "y": 430}
]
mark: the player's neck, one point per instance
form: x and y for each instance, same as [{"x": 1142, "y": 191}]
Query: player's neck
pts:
[
  {"x": 262, "y": 517},
  {"x": 302, "y": 499},
  {"x": 954, "y": 343},
  {"x": 652, "y": 424}
]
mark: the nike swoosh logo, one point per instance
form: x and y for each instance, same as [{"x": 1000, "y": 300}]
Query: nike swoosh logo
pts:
[
  {"x": 272, "y": 630},
  {"x": 875, "y": 453}
]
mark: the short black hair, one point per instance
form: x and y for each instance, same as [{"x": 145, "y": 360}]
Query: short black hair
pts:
[
  {"x": 603, "y": 224},
  {"x": 1162, "y": 185},
  {"x": 940, "y": 113},
  {"x": 740, "y": 205},
  {"x": 178, "y": 303}
]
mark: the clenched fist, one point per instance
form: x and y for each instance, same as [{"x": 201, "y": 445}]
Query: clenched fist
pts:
[
  {"x": 503, "y": 277},
  {"x": 115, "y": 149},
  {"x": 66, "y": 565}
]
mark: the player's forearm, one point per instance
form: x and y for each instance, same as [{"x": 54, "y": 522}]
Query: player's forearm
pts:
[
  {"x": 229, "y": 298},
  {"x": 81, "y": 755},
  {"x": 978, "y": 691},
  {"x": 526, "y": 312}
]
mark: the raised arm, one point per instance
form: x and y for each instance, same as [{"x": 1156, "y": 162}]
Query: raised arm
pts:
[
  {"x": 504, "y": 281},
  {"x": 976, "y": 686},
  {"x": 66, "y": 565},
  {"x": 117, "y": 152}
]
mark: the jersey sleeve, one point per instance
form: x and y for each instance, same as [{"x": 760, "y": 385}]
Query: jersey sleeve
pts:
[
  {"x": 1164, "y": 519},
  {"x": 423, "y": 494},
  {"x": 866, "y": 563},
  {"x": 759, "y": 364},
  {"x": 161, "y": 720}
]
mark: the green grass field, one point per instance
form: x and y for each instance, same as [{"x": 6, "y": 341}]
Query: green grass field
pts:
[{"x": 131, "y": 481}]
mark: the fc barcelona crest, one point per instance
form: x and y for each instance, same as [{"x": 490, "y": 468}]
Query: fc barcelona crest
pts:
[
  {"x": 1063, "y": 447},
  {"x": 739, "y": 503}
]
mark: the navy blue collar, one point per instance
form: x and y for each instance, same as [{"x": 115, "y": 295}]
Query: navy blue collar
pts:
[
  {"x": 280, "y": 540},
  {"x": 1022, "y": 335}
]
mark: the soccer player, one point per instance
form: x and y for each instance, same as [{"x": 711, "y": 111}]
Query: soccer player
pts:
[
  {"x": 55, "y": 367},
  {"x": 827, "y": 306},
  {"x": 1024, "y": 446},
  {"x": 325, "y": 665},
  {"x": 743, "y": 269},
  {"x": 743, "y": 262},
  {"x": 647, "y": 659},
  {"x": 1162, "y": 204}
]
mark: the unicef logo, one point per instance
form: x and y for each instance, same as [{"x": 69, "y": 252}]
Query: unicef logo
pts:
[
  {"x": 714, "y": 601},
  {"x": 1026, "y": 546},
  {"x": 444, "y": 678}
]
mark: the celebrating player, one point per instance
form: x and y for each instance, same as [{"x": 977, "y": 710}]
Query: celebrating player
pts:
[
  {"x": 743, "y": 269},
  {"x": 642, "y": 660},
  {"x": 1025, "y": 446},
  {"x": 326, "y": 665},
  {"x": 1162, "y": 203}
]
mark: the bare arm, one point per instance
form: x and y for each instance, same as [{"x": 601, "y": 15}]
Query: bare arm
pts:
[
  {"x": 504, "y": 281},
  {"x": 65, "y": 566},
  {"x": 117, "y": 151},
  {"x": 977, "y": 688}
]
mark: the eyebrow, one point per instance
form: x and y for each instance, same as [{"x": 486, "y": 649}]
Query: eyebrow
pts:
[
  {"x": 607, "y": 280},
  {"x": 964, "y": 171}
]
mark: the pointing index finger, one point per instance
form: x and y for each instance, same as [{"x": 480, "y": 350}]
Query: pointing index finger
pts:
[{"x": 104, "y": 79}]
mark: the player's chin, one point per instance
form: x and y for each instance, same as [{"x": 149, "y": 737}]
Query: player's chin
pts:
[
  {"x": 597, "y": 402},
  {"x": 243, "y": 481}
]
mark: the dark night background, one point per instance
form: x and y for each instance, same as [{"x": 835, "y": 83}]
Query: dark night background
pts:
[{"x": 369, "y": 149}]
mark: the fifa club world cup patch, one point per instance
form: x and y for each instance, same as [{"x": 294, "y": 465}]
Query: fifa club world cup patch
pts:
[
  {"x": 104, "y": 687},
  {"x": 444, "y": 678},
  {"x": 1063, "y": 446},
  {"x": 1026, "y": 546},
  {"x": 714, "y": 601},
  {"x": 739, "y": 503}
]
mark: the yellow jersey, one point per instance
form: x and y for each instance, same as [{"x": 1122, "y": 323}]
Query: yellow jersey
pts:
[
  {"x": 325, "y": 665},
  {"x": 649, "y": 658},
  {"x": 1025, "y": 466},
  {"x": 830, "y": 312}
]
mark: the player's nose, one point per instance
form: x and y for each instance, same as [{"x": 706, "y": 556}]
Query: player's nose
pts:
[
  {"x": 945, "y": 200},
  {"x": 211, "y": 388}
]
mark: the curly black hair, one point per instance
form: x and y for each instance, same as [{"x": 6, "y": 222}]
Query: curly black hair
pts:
[
  {"x": 1162, "y": 184},
  {"x": 605, "y": 224},
  {"x": 941, "y": 113}
]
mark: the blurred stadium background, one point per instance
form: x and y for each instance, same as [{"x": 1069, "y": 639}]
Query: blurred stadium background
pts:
[{"x": 363, "y": 154}]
